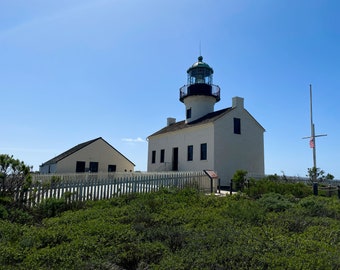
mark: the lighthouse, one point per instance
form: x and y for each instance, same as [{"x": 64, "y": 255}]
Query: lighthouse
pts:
[
  {"x": 199, "y": 94},
  {"x": 223, "y": 141}
]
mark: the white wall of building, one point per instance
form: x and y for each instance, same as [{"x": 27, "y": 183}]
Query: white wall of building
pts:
[
  {"x": 234, "y": 152},
  {"x": 199, "y": 105},
  {"x": 195, "y": 136},
  {"x": 227, "y": 151}
]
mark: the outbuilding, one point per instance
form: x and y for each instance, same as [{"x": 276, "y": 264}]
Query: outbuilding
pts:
[{"x": 95, "y": 155}]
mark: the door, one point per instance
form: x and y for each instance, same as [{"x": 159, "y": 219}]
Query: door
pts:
[{"x": 175, "y": 159}]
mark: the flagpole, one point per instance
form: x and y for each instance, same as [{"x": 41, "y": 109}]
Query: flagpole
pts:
[
  {"x": 312, "y": 137},
  {"x": 312, "y": 127}
]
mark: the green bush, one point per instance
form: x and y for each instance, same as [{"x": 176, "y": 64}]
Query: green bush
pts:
[
  {"x": 259, "y": 187},
  {"x": 244, "y": 210},
  {"x": 20, "y": 216},
  {"x": 239, "y": 179},
  {"x": 275, "y": 202},
  {"x": 317, "y": 206},
  {"x": 3, "y": 212},
  {"x": 51, "y": 207}
]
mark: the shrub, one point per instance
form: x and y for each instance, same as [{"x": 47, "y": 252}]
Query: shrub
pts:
[
  {"x": 179, "y": 230},
  {"x": 52, "y": 207},
  {"x": 275, "y": 202},
  {"x": 239, "y": 178},
  {"x": 257, "y": 188},
  {"x": 3, "y": 212},
  {"x": 317, "y": 206},
  {"x": 15, "y": 178},
  {"x": 20, "y": 216},
  {"x": 244, "y": 210}
]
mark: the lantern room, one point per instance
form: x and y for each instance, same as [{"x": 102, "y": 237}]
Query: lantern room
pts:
[
  {"x": 200, "y": 78},
  {"x": 200, "y": 72}
]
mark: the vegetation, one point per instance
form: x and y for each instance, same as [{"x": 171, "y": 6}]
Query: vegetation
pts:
[
  {"x": 14, "y": 175},
  {"x": 318, "y": 175},
  {"x": 270, "y": 224},
  {"x": 15, "y": 179},
  {"x": 239, "y": 178},
  {"x": 270, "y": 228}
]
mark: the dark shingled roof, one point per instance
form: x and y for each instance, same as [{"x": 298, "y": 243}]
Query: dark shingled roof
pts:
[
  {"x": 208, "y": 118},
  {"x": 75, "y": 149}
]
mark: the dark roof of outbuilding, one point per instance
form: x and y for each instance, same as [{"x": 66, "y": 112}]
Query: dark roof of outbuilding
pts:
[
  {"x": 77, "y": 148},
  {"x": 208, "y": 118}
]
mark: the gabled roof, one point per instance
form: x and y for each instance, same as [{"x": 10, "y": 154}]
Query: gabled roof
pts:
[
  {"x": 77, "y": 148},
  {"x": 208, "y": 118}
]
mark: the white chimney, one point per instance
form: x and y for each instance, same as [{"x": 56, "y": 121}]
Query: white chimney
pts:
[
  {"x": 170, "y": 121},
  {"x": 238, "y": 102}
]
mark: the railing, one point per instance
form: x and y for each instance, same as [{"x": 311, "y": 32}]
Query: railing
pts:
[
  {"x": 81, "y": 187},
  {"x": 183, "y": 91}
]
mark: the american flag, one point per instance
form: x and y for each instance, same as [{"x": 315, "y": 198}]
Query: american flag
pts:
[{"x": 311, "y": 143}]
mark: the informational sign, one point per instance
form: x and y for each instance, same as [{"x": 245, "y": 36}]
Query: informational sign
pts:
[{"x": 211, "y": 174}]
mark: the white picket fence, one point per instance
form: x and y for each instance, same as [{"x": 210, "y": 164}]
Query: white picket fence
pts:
[{"x": 97, "y": 186}]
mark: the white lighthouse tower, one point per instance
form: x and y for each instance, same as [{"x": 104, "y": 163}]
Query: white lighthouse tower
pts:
[{"x": 200, "y": 94}]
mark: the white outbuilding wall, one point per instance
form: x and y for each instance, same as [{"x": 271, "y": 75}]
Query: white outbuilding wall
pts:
[{"x": 97, "y": 151}]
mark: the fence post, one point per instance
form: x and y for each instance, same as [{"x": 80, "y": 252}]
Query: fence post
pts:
[
  {"x": 339, "y": 192},
  {"x": 329, "y": 193},
  {"x": 315, "y": 188},
  {"x": 231, "y": 186}
]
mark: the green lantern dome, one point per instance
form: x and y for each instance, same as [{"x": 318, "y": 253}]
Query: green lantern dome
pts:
[
  {"x": 200, "y": 64},
  {"x": 200, "y": 72}
]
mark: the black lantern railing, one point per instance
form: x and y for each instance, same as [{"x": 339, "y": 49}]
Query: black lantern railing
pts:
[{"x": 199, "y": 89}]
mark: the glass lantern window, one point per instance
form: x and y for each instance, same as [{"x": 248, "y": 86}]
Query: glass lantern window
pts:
[{"x": 200, "y": 75}]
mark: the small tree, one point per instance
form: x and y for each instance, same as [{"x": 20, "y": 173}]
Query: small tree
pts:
[
  {"x": 15, "y": 178},
  {"x": 318, "y": 175},
  {"x": 329, "y": 176},
  {"x": 239, "y": 178}
]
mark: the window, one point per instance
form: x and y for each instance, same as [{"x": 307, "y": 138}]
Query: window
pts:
[
  {"x": 80, "y": 166},
  {"x": 188, "y": 113},
  {"x": 153, "y": 158},
  {"x": 175, "y": 159},
  {"x": 162, "y": 156},
  {"x": 190, "y": 152},
  {"x": 111, "y": 168},
  {"x": 237, "y": 126},
  {"x": 93, "y": 167},
  {"x": 203, "y": 151}
]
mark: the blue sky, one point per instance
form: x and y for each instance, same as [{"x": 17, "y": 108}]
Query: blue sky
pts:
[{"x": 75, "y": 70}]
